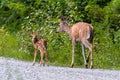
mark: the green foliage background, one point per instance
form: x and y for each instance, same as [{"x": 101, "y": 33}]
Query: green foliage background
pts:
[{"x": 18, "y": 17}]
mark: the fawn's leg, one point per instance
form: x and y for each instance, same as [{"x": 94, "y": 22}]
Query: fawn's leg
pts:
[
  {"x": 35, "y": 54},
  {"x": 46, "y": 58},
  {"x": 41, "y": 61}
]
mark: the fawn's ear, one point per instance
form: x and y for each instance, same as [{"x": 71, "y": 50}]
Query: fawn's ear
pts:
[
  {"x": 30, "y": 33},
  {"x": 67, "y": 19},
  {"x": 62, "y": 18},
  {"x": 38, "y": 33}
]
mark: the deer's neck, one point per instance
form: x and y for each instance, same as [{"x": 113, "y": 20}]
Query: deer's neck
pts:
[
  {"x": 67, "y": 29},
  {"x": 34, "y": 40}
]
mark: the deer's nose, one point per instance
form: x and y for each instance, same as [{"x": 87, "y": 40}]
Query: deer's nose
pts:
[{"x": 56, "y": 31}]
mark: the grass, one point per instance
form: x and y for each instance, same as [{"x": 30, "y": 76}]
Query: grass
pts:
[{"x": 10, "y": 47}]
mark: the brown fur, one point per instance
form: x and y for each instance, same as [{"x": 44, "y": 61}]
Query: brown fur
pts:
[
  {"x": 40, "y": 45},
  {"x": 82, "y": 32}
]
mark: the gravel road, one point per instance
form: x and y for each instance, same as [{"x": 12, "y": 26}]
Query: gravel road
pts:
[{"x": 11, "y": 69}]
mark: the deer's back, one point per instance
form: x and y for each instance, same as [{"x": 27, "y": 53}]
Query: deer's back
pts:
[
  {"x": 44, "y": 42},
  {"x": 41, "y": 44},
  {"x": 81, "y": 30}
]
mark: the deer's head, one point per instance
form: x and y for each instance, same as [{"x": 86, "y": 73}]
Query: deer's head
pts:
[{"x": 62, "y": 25}]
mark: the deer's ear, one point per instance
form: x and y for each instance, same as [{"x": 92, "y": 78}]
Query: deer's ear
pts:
[{"x": 62, "y": 18}]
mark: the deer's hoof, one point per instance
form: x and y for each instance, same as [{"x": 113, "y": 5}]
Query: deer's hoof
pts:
[
  {"x": 47, "y": 65},
  {"x": 33, "y": 64},
  {"x": 40, "y": 64},
  {"x": 71, "y": 66},
  {"x": 43, "y": 64},
  {"x": 87, "y": 60},
  {"x": 86, "y": 66},
  {"x": 91, "y": 67}
]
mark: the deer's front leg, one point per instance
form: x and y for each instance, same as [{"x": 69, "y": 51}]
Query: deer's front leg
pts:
[
  {"x": 73, "y": 46},
  {"x": 35, "y": 54}
]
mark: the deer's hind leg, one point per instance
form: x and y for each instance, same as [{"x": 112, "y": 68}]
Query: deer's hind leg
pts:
[
  {"x": 83, "y": 53},
  {"x": 89, "y": 46}
]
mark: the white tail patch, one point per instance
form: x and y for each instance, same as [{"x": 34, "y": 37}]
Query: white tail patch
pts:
[{"x": 88, "y": 32}]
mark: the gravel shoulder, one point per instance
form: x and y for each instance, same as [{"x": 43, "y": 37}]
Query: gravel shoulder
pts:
[{"x": 12, "y": 69}]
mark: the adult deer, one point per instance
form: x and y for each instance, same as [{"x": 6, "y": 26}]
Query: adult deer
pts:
[
  {"x": 41, "y": 45},
  {"x": 82, "y": 32}
]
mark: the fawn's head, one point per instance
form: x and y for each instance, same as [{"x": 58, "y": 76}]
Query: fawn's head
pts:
[
  {"x": 33, "y": 35},
  {"x": 62, "y": 25}
]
